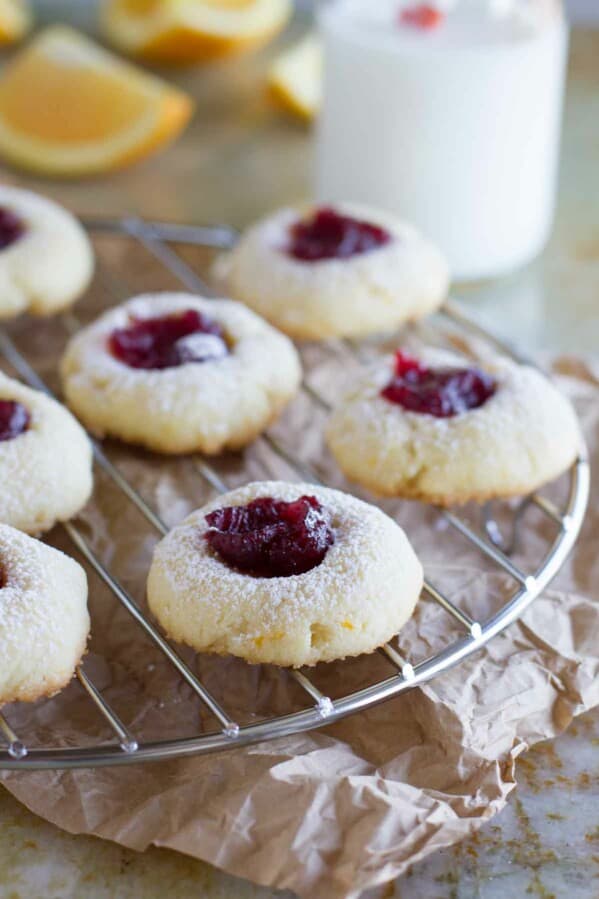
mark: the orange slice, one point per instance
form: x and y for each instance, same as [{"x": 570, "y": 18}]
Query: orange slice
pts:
[
  {"x": 295, "y": 78},
  {"x": 15, "y": 20},
  {"x": 187, "y": 31},
  {"x": 68, "y": 107}
]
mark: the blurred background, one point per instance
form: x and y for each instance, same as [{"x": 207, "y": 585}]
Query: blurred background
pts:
[
  {"x": 245, "y": 145},
  {"x": 578, "y": 10},
  {"x": 583, "y": 10}
]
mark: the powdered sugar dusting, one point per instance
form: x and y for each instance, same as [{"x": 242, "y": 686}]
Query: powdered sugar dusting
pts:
[
  {"x": 405, "y": 278},
  {"x": 259, "y": 374},
  {"x": 48, "y": 268},
  {"x": 46, "y": 471},
  {"x": 354, "y": 522},
  {"x": 370, "y": 552},
  {"x": 43, "y": 615},
  {"x": 525, "y": 429}
]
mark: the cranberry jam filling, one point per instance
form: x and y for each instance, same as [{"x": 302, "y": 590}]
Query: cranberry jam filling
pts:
[
  {"x": 442, "y": 392},
  {"x": 271, "y": 538},
  {"x": 11, "y": 227},
  {"x": 329, "y": 235},
  {"x": 169, "y": 341},
  {"x": 421, "y": 16},
  {"x": 14, "y": 420}
]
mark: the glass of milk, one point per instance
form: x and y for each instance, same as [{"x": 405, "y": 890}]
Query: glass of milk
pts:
[{"x": 454, "y": 126}]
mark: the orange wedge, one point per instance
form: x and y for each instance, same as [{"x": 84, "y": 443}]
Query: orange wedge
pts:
[
  {"x": 187, "y": 31},
  {"x": 295, "y": 78},
  {"x": 68, "y": 107},
  {"x": 15, "y": 20}
]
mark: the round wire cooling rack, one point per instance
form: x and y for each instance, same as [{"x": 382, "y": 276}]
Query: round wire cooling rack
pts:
[{"x": 126, "y": 747}]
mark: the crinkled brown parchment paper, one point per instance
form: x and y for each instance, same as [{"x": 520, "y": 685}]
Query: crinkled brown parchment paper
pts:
[{"x": 332, "y": 812}]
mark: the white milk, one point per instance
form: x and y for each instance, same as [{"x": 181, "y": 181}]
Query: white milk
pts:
[{"x": 455, "y": 129}]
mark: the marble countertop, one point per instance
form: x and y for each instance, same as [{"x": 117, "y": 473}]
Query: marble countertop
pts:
[
  {"x": 545, "y": 844},
  {"x": 242, "y": 159}
]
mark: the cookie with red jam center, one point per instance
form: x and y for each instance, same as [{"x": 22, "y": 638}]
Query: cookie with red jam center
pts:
[
  {"x": 439, "y": 429},
  {"x": 442, "y": 392},
  {"x": 327, "y": 234},
  {"x": 177, "y": 373},
  {"x": 287, "y": 574},
  {"x": 14, "y": 419},
  {"x": 335, "y": 271},
  {"x": 271, "y": 538},
  {"x": 45, "y": 622},
  {"x": 45, "y": 460},
  {"x": 46, "y": 258},
  {"x": 169, "y": 341}
]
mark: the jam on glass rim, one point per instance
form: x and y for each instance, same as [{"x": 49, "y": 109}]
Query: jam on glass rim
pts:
[
  {"x": 329, "y": 235},
  {"x": 271, "y": 538},
  {"x": 11, "y": 227},
  {"x": 14, "y": 420},
  {"x": 168, "y": 341},
  {"x": 442, "y": 392},
  {"x": 421, "y": 15}
]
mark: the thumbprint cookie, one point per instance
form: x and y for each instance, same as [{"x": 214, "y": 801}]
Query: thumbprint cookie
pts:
[
  {"x": 178, "y": 373},
  {"x": 343, "y": 271},
  {"x": 288, "y": 574},
  {"x": 439, "y": 429},
  {"x": 44, "y": 623},
  {"x": 46, "y": 259},
  {"x": 45, "y": 460}
]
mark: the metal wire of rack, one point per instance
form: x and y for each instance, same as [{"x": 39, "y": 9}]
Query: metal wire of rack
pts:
[{"x": 126, "y": 747}]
